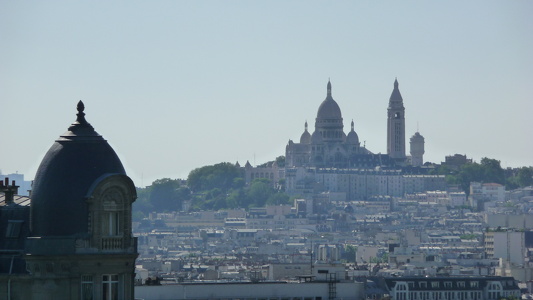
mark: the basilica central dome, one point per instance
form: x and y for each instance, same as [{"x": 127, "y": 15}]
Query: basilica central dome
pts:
[{"x": 329, "y": 109}]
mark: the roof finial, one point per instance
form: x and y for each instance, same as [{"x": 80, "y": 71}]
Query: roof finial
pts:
[
  {"x": 81, "y": 114},
  {"x": 329, "y": 87},
  {"x": 352, "y": 125},
  {"x": 395, "y": 82},
  {"x": 305, "y": 125}
]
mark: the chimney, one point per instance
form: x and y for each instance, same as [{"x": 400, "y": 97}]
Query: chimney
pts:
[{"x": 9, "y": 190}]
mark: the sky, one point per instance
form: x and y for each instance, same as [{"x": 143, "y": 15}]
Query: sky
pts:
[{"x": 177, "y": 85}]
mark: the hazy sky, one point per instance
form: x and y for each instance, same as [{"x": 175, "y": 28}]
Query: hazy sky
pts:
[{"x": 175, "y": 85}]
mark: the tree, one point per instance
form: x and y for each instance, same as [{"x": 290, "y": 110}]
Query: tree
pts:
[
  {"x": 278, "y": 198},
  {"x": 492, "y": 171},
  {"x": 349, "y": 252},
  {"x": 260, "y": 190},
  {"x": 167, "y": 194},
  {"x": 488, "y": 171},
  {"x": 142, "y": 204},
  {"x": 236, "y": 198},
  {"x": 525, "y": 176},
  {"x": 220, "y": 176},
  {"x": 280, "y": 161}
]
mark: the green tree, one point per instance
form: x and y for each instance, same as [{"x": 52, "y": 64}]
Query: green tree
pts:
[
  {"x": 280, "y": 161},
  {"x": 349, "y": 252},
  {"x": 489, "y": 170},
  {"x": 236, "y": 198},
  {"x": 167, "y": 194},
  {"x": 259, "y": 192},
  {"x": 142, "y": 204},
  {"x": 492, "y": 171},
  {"x": 278, "y": 198},
  {"x": 525, "y": 176},
  {"x": 220, "y": 176}
]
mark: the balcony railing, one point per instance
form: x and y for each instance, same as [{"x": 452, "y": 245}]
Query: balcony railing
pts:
[{"x": 112, "y": 243}]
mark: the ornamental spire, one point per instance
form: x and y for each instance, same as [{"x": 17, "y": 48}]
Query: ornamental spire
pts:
[
  {"x": 81, "y": 115},
  {"x": 329, "y": 88}
]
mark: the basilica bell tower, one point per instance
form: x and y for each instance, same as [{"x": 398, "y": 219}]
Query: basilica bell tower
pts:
[{"x": 396, "y": 125}]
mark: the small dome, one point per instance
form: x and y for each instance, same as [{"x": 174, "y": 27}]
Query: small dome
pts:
[
  {"x": 74, "y": 162},
  {"x": 306, "y": 136},
  {"x": 417, "y": 137},
  {"x": 316, "y": 138},
  {"x": 352, "y": 138}
]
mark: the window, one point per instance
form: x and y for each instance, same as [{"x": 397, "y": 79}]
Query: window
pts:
[
  {"x": 435, "y": 284},
  {"x": 86, "y": 287},
  {"x": 461, "y": 284},
  {"x": 110, "y": 287},
  {"x": 112, "y": 226},
  {"x": 448, "y": 285},
  {"x": 13, "y": 228}
]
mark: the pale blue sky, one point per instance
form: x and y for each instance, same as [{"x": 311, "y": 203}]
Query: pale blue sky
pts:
[{"x": 175, "y": 85}]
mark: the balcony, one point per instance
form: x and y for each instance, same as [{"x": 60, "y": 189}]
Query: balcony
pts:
[
  {"x": 112, "y": 243},
  {"x": 118, "y": 244}
]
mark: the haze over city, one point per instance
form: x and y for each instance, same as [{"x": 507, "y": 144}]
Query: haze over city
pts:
[{"x": 178, "y": 85}]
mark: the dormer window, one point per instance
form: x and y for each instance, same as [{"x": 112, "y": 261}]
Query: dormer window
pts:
[
  {"x": 110, "y": 214},
  {"x": 13, "y": 228}
]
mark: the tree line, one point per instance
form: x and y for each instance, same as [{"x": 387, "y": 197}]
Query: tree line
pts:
[
  {"x": 222, "y": 186},
  {"x": 214, "y": 187},
  {"x": 487, "y": 171}
]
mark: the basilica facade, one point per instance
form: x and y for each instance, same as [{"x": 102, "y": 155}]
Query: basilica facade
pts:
[{"x": 330, "y": 147}]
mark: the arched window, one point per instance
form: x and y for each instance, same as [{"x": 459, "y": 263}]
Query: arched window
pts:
[{"x": 109, "y": 207}]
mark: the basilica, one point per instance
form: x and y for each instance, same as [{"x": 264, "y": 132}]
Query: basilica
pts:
[
  {"x": 330, "y": 147},
  {"x": 331, "y": 162}
]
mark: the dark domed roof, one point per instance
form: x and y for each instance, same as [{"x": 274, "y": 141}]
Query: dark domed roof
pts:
[
  {"x": 73, "y": 163},
  {"x": 329, "y": 109}
]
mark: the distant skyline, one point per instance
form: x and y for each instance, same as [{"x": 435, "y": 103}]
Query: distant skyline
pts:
[{"x": 176, "y": 85}]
